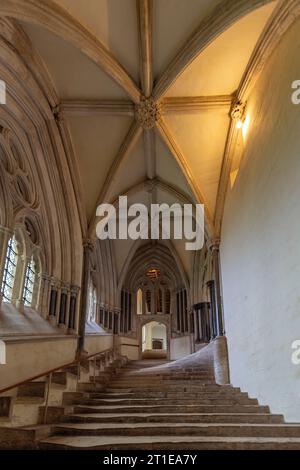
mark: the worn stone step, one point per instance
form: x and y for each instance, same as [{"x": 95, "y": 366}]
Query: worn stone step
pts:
[
  {"x": 139, "y": 407},
  {"x": 167, "y": 401},
  {"x": 90, "y": 387},
  {"x": 164, "y": 387},
  {"x": 25, "y": 437},
  {"x": 54, "y": 413},
  {"x": 164, "y": 376},
  {"x": 169, "y": 443},
  {"x": 160, "y": 381},
  {"x": 157, "y": 394},
  {"x": 179, "y": 429},
  {"x": 69, "y": 397},
  {"x": 172, "y": 409},
  {"x": 174, "y": 418}
]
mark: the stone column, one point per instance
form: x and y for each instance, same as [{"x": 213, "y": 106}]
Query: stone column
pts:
[
  {"x": 205, "y": 323},
  {"x": 63, "y": 308},
  {"x": 37, "y": 292},
  {"x": 52, "y": 301},
  {"x": 213, "y": 310},
  {"x": 215, "y": 250},
  {"x": 44, "y": 295},
  {"x": 5, "y": 234},
  {"x": 72, "y": 309},
  {"x": 68, "y": 289},
  {"x": 221, "y": 363},
  {"x": 18, "y": 289},
  {"x": 58, "y": 299},
  {"x": 86, "y": 264},
  {"x": 196, "y": 324}
]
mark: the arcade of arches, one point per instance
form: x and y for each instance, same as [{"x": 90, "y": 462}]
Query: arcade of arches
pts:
[{"x": 163, "y": 104}]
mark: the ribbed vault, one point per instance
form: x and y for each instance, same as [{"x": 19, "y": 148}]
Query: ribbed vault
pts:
[{"x": 138, "y": 95}]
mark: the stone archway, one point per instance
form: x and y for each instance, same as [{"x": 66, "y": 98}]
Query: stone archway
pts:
[{"x": 154, "y": 338}]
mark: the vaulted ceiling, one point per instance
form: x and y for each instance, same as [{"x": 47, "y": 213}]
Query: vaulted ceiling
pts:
[{"x": 188, "y": 58}]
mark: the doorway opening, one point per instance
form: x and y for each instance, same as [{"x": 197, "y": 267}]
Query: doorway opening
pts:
[{"x": 154, "y": 341}]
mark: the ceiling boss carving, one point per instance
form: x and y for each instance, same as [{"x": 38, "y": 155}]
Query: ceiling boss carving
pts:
[{"x": 147, "y": 113}]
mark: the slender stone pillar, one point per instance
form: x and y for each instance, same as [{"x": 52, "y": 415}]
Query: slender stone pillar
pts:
[
  {"x": 86, "y": 264},
  {"x": 58, "y": 298},
  {"x": 221, "y": 363},
  {"x": 44, "y": 295},
  {"x": 72, "y": 309},
  {"x": 53, "y": 298},
  {"x": 215, "y": 250},
  {"x": 68, "y": 301},
  {"x": 18, "y": 290},
  {"x": 196, "y": 325},
  {"x": 213, "y": 308},
  {"x": 63, "y": 306}
]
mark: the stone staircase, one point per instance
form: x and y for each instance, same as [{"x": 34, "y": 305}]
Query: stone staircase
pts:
[
  {"x": 168, "y": 406},
  {"x": 27, "y": 410}
]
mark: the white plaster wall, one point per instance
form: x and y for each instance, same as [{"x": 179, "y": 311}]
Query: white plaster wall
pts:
[
  {"x": 260, "y": 249},
  {"x": 159, "y": 331}
]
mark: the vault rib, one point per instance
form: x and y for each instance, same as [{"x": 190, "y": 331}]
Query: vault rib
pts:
[
  {"x": 57, "y": 20},
  {"x": 144, "y": 11},
  {"x": 221, "y": 18}
]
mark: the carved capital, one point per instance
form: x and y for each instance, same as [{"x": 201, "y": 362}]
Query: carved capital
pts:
[
  {"x": 57, "y": 114},
  {"x": 214, "y": 245},
  {"x": 88, "y": 244},
  {"x": 75, "y": 290},
  {"x": 147, "y": 113},
  {"x": 237, "y": 111}
]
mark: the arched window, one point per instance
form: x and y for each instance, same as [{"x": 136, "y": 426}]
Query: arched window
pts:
[
  {"x": 139, "y": 302},
  {"x": 30, "y": 277},
  {"x": 92, "y": 304},
  {"x": 9, "y": 270},
  {"x": 148, "y": 301},
  {"x": 159, "y": 301}
]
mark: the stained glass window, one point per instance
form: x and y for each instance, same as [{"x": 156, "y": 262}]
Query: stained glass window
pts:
[
  {"x": 92, "y": 305},
  {"x": 9, "y": 270},
  {"x": 29, "y": 283}
]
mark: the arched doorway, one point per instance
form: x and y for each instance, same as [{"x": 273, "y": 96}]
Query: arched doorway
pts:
[{"x": 154, "y": 340}]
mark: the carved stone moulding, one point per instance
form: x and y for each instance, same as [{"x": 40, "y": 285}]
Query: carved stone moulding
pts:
[
  {"x": 147, "y": 113},
  {"x": 237, "y": 112}
]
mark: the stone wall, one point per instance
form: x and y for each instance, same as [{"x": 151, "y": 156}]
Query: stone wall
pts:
[
  {"x": 260, "y": 250},
  {"x": 29, "y": 357}
]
